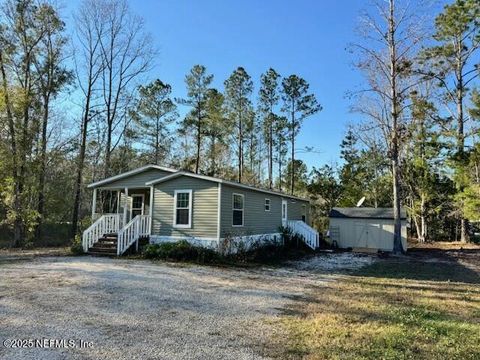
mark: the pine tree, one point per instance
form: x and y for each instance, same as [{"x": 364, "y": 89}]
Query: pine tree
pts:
[
  {"x": 198, "y": 83},
  {"x": 352, "y": 173},
  {"x": 280, "y": 130},
  {"x": 298, "y": 105},
  {"x": 153, "y": 114},
  {"x": 421, "y": 157},
  {"x": 216, "y": 129},
  {"x": 238, "y": 89},
  {"x": 268, "y": 100},
  {"x": 452, "y": 63}
]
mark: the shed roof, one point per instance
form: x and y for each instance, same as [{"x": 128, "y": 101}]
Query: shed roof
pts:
[{"x": 365, "y": 213}]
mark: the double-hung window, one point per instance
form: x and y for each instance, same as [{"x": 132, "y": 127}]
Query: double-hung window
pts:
[
  {"x": 267, "y": 204},
  {"x": 238, "y": 203},
  {"x": 183, "y": 209}
]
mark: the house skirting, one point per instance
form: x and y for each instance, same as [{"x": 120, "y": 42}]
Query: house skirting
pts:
[{"x": 229, "y": 245}]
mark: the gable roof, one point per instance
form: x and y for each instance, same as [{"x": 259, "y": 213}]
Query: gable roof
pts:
[
  {"x": 130, "y": 173},
  {"x": 226, "y": 182},
  {"x": 365, "y": 213}
]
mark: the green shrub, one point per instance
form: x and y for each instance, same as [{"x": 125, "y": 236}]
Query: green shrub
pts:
[
  {"x": 77, "y": 248},
  {"x": 180, "y": 251}
]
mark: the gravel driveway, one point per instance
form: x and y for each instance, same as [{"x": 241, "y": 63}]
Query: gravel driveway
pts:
[{"x": 133, "y": 309}]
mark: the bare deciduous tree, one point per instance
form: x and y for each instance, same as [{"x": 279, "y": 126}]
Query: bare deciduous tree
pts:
[{"x": 390, "y": 40}]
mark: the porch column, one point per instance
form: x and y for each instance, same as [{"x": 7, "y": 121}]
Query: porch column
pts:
[
  {"x": 150, "y": 210},
  {"x": 125, "y": 208},
  {"x": 94, "y": 203},
  {"x": 119, "y": 198}
]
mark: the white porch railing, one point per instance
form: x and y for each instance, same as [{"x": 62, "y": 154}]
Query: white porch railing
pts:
[
  {"x": 309, "y": 234},
  {"x": 137, "y": 227},
  {"x": 107, "y": 223}
]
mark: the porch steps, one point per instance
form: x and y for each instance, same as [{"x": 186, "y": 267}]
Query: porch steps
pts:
[{"x": 105, "y": 246}]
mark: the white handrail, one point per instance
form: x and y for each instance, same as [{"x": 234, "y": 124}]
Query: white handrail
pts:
[
  {"x": 107, "y": 223},
  {"x": 137, "y": 227},
  {"x": 310, "y": 235}
]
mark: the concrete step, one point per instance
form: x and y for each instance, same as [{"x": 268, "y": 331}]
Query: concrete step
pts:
[
  {"x": 96, "y": 253},
  {"x": 103, "y": 249}
]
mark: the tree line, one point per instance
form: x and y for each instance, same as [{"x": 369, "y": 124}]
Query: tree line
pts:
[
  {"x": 122, "y": 118},
  {"x": 417, "y": 144}
]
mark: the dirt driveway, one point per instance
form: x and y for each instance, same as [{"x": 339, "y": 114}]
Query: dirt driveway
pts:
[{"x": 133, "y": 309}]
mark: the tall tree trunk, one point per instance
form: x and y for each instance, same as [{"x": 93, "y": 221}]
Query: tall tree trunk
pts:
[
  {"x": 157, "y": 141},
  {"x": 461, "y": 137},
  {"x": 199, "y": 137},
  {"x": 108, "y": 151},
  {"x": 270, "y": 154},
  {"x": 292, "y": 170},
  {"x": 422, "y": 236},
  {"x": 81, "y": 163},
  {"x": 43, "y": 168},
  {"x": 240, "y": 151},
  {"x": 280, "y": 167},
  {"x": 212, "y": 157},
  {"x": 18, "y": 223},
  {"x": 397, "y": 231}
]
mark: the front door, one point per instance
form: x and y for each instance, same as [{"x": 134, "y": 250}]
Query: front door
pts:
[
  {"x": 284, "y": 212},
  {"x": 137, "y": 205}
]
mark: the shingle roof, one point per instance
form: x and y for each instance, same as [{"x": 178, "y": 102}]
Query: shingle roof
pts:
[
  {"x": 226, "y": 182},
  {"x": 365, "y": 213}
]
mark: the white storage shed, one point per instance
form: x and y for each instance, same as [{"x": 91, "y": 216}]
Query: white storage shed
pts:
[{"x": 363, "y": 227}]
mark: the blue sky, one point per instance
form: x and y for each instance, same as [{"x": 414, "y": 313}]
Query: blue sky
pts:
[{"x": 304, "y": 37}]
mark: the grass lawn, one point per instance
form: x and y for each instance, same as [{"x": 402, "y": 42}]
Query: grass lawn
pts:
[{"x": 426, "y": 306}]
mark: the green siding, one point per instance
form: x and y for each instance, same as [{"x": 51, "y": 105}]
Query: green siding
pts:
[
  {"x": 137, "y": 180},
  {"x": 256, "y": 219},
  {"x": 295, "y": 210},
  {"x": 204, "y": 212}
]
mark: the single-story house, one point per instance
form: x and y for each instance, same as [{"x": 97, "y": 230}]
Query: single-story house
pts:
[
  {"x": 165, "y": 204},
  {"x": 363, "y": 227}
]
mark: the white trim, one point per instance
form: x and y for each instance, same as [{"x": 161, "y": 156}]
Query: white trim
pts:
[
  {"x": 243, "y": 209},
  {"x": 285, "y": 219},
  {"x": 125, "y": 208},
  {"x": 129, "y": 173},
  {"x": 182, "y": 226},
  {"x": 150, "y": 210},
  {"x": 143, "y": 204},
  {"x": 119, "y": 199},
  {"x": 269, "y": 205},
  {"x": 230, "y": 183},
  {"x": 94, "y": 203},
  {"x": 211, "y": 243},
  {"x": 214, "y": 243},
  {"x": 219, "y": 209}
]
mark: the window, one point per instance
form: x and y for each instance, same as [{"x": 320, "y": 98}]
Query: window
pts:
[
  {"x": 237, "y": 207},
  {"x": 267, "y": 204},
  {"x": 137, "y": 205},
  {"x": 304, "y": 213},
  {"x": 183, "y": 209}
]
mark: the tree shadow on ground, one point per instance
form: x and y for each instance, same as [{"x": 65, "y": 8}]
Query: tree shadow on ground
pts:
[{"x": 428, "y": 265}]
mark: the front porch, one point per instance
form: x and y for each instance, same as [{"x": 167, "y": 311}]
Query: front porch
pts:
[
  {"x": 126, "y": 202},
  {"x": 121, "y": 217}
]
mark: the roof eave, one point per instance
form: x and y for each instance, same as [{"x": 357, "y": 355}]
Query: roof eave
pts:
[
  {"x": 127, "y": 174},
  {"x": 216, "y": 180}
]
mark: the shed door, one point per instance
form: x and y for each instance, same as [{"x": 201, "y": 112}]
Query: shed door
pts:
[
  {"x": 373, "y": 239},
  {"x": 367, "y": 235},
  {"x": 360, "y": 234}
]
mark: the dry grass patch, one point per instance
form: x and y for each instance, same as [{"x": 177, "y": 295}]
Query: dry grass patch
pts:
[{"x": 390, "y": 310}]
